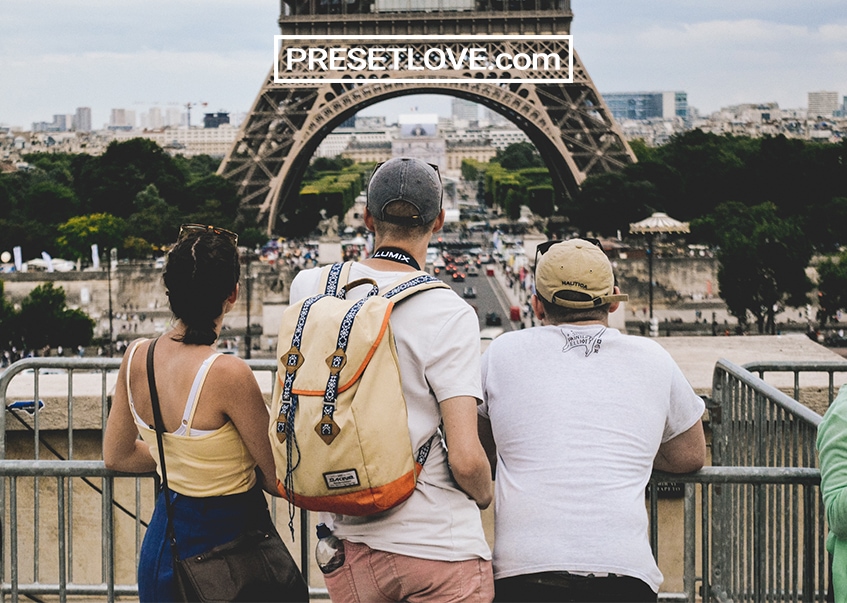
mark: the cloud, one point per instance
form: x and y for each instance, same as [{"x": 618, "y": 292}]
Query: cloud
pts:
[
  {"x": 719, "y": 61},
  {"x": 58, "y": 55}
]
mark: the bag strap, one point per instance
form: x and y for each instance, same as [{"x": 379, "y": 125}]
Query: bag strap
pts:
[
  {"x": 417, "y": 282},
  {"x": 333, "y": 275},
  {"x": 160, "y": 428}
]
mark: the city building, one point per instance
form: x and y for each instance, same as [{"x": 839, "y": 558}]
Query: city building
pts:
[
  {"x": 82, "y": 119},
  {"x": 419, "y": 137},
  {"x": 822, "y": 104},
  {"x": 214, "y": 120},
  {"x": 121, "y": 119},
  {"x": 647, "y": 105},
  {"x": 188, "y": 141},
  {"x": 464, "y": 111}
]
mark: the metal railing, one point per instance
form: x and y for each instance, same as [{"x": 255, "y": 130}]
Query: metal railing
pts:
[
  {"x": 767, "y": 532},
  {"x": 753, "y": 526},
  {"x": 60, "y": 506}
]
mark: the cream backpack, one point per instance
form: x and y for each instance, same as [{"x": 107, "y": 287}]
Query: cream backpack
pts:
[{"x": 340, "y": 433}]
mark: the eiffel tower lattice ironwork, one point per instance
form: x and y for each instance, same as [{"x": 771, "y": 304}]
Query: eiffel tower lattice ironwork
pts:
[{"x": 569, "y": 123}]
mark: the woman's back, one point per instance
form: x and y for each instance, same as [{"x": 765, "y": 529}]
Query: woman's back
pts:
[{"x": 202, "y": 462}]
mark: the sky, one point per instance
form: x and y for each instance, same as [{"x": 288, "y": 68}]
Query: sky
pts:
[{"x": 57, "y": 55}]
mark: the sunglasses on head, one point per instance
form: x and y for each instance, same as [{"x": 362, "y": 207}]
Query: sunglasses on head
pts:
[
  {"x": 542, "y": 248},
  {"x": 189, "y": 229}
]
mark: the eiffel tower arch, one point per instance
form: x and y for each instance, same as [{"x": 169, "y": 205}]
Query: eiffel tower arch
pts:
[{"x": 568, "y": 122}]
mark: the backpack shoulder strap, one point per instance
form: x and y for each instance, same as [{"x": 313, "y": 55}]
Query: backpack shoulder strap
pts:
[
  {"x": 333, "y": 276},
  {"x": 415, "y": 283}
]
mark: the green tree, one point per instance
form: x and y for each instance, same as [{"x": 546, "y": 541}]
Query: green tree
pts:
[
  {"x": 155, "y": 220},
  {"x": 45, "y": 319},
  {"x": 762, "y": 262},
  {"x": 211, "y": 200},
  {"x": 519, "y": 155},
  {"x": 77, "y": 235},
  {"x": 252, "y": 238},
  {"x": 50, "y": 202},
  {"x": 832, "y": 286},
  {"x": 110, "y": 183},
  {"x": 7, "y": 320}
]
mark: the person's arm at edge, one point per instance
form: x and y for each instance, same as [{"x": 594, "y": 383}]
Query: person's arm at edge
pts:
[
  {"x": 465, "y": 453},
  {"x": 684, "y": 453},
  {"x": 832, "y": 451},
  {"x": 122, "y": 450}
]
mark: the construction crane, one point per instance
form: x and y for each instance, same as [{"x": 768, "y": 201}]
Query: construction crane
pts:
[{"x": 188, "y": 106}]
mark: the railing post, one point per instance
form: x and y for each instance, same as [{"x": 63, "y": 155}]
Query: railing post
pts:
[
  {"x": 690, "y": 542},
  {"x": 62, "y": 536},
  {"x": 808, "y": 544}
]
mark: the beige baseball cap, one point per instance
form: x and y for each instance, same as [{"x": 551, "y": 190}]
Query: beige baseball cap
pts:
[{"x": 580, "y": 266}]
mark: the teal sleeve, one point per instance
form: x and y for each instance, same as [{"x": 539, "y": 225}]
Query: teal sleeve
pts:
[{"x": 832, "y": 449}]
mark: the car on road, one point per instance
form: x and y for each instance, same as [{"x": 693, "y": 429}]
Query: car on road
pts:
[
  {"x": 458, "y": 277},
  {"x": 492, "y": 319},
  {"x": 469, "y": 293},
  {"x": 473, "y": 271}
]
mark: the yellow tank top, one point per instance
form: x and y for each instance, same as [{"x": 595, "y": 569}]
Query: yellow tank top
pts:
[{"x": 214, "y": 463}]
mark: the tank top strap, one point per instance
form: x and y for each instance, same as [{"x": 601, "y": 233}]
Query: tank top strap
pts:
[
  {"x": 194, "y": 394},
  {"x": 130, "y": 356}
]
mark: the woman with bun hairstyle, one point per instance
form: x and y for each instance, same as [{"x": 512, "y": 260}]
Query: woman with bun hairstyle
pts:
[{"x": 217, "y": 452}]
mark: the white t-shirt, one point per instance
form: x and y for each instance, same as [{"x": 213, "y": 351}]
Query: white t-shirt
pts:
[
  {"x": 437, "y": 338},
  {"x": 578, "y": 414}
]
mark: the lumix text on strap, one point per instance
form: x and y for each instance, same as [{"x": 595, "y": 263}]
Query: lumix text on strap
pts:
[{"x": 394, "y": 254}]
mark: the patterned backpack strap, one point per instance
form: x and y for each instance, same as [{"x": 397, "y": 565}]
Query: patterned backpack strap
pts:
[
  {"x": 418, "y": 281},
  {"x": 333, "y": 276}
]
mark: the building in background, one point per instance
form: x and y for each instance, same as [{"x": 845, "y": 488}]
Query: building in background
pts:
[
  {"x": 121, "y": 119},
  {"x": 822, "y": 104},
  {"x": 214, "y": 120},
  {"x": 647, "y": 105},
  {"x": 465, "y": 111},
  {"x": 419, "y": 138},
  {"x": 82, "y": 119}
]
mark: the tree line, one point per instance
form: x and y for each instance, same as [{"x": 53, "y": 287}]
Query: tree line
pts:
[
  {"x": 133, "y": 197},
  {"x": 768, "y": 206}
]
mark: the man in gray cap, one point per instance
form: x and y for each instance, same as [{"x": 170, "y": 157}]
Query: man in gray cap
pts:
[
  {"x": 432, "y": 546},
  {"x": 575, "y": 417}
]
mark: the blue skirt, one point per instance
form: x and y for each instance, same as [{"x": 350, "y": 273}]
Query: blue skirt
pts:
[{"x": 199, "y": 525}]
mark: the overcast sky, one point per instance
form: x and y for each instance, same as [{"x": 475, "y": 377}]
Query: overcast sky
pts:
[{"x": 58, "y": 55}]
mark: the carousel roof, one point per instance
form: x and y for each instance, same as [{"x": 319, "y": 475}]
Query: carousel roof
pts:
[{"x": 658, "y": 222}]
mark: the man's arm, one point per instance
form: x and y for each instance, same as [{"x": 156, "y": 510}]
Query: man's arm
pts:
[
  {"x": 465, "y": 454},
  {"x": 486, "y": 437},
  {"x": 684, "y": 453}
]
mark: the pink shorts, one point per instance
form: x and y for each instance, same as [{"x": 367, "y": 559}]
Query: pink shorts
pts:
[{"x": 370, "y": 576}]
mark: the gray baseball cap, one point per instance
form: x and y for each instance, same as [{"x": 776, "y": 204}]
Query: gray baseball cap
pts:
[{"x": 407, "y": 179}]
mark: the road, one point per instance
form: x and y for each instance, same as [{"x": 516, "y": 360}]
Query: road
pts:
[{"x": 490, "y": 297}]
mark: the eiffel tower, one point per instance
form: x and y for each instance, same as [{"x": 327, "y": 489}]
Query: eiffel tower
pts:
[{"x": 569, "y": 123}]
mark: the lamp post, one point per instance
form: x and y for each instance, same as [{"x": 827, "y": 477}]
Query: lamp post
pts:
[
  {"x": 112, "y": 258},
  {"x": 657, "y": 223},
  {"x": 248, "y": 339}
]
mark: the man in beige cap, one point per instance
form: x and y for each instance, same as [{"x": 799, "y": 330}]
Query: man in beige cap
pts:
[{"x": 575, "y": 417}]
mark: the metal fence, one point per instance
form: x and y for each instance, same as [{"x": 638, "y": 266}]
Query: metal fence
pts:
[
  {"x": 767, "y": 530},
  {"x": 753, "y": 525}
]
